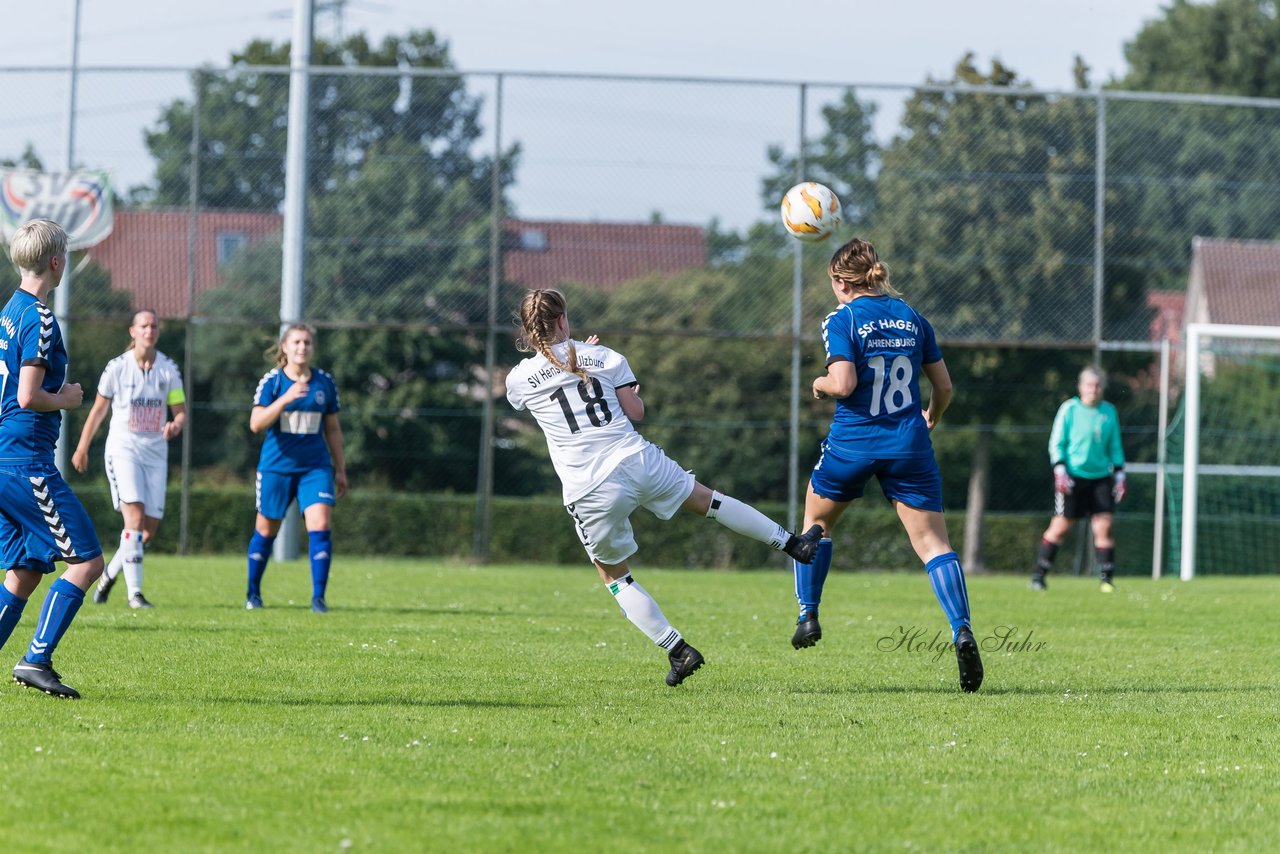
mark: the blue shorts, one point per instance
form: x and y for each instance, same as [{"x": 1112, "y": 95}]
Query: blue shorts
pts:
[
  {"x": 41, "y": 520},
  {"x": 915, "y": 481},
  {"x": 275, "y": 490}
]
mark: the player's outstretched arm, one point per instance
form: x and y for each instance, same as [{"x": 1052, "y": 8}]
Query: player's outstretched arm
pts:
[{"x": 80, "y": 459}]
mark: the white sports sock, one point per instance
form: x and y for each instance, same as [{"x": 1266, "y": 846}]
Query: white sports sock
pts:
[
  {"x": 131, "y": 549},
  {"x": 746, "y": 520},
  {"x": 117, "y": 564},
  {"x": 643, "y": 611}
]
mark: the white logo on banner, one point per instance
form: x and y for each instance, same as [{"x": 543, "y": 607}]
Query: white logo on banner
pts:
[{"x": 80, "y": 202}]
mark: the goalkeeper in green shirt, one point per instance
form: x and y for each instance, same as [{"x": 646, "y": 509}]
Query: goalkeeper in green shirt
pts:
[{"x": 1088, "y": 476}]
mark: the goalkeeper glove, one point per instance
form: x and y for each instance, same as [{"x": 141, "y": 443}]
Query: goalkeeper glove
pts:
[
  {"x": 1119, "y": 489},
  {"x": 1062, "y": 482}
]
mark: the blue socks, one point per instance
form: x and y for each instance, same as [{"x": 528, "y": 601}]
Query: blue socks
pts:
[
  {"x": 947, "y": 579},
  {"x": 10, "y": 612},
  {"x": 60, "y": 606},
  {"x": 811, "y": 576},
  {"x": 259, "y": 554},
  {"x": 320, "y": 548}
]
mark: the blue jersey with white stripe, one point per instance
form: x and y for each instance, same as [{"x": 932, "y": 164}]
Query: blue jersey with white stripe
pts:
[
  {"x": 29, "y": 335},
  {"x": 295, "y": 443},
  {"x": 888, "y": 341}
]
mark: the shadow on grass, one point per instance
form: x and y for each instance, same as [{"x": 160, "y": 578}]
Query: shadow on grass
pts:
[
  {"x": 398, "y": 701},
  {"x": 1045, "y": 690}
]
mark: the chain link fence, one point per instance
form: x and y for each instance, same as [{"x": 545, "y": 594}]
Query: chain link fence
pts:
[{"x": 1039, "y": 231}]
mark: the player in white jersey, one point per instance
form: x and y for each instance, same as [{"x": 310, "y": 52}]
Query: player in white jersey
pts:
[
  {"x": 141, "y": 387},
  {"x": 585, "y": 398}
]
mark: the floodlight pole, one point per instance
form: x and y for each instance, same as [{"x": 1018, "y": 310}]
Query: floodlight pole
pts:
[
  {"x": 292, "y": 274},
  {"x": 797, "y": 310},
  {"x": 62, "y": 296}
]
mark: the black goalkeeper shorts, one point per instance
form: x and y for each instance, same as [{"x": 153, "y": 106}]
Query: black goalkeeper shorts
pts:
[{"x": 1087, "y": 497}]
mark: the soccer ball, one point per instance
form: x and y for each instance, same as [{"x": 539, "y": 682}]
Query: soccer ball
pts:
[{"x": 810, "y": 212}]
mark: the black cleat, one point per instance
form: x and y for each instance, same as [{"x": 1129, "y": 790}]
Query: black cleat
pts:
[
  {"x": 103, "y": 590},
  {"x": 684, "y": 660},
  {"x": 318, "y": 605},
  {"x": 1038, "y": 583},
  {"x": 969, "y": 660},
  {"x": 803, "y": 547},
  {"x": 137, "y": 600},
  {"x": 808, "y": 632},
  {"x": 43, "y": 677}
]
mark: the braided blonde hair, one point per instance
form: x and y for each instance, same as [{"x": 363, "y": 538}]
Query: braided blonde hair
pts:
[
  {"x": 857, "y": 264},
  {"x": 539, "y": 312}
]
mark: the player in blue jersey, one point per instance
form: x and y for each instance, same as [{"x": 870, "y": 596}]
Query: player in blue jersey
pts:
[
  {"x": 1088, "y": 476},
  {"x": 41, "y": 520},
  {"x": 302, "y": 458},
  {"x": 876, "y": 348}
]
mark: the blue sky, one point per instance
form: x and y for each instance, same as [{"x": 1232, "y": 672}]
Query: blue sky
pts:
[
  {"x": 647, "y": 146},
  {"x": 888, "y": 42}
]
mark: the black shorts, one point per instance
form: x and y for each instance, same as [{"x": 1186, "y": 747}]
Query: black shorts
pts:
[{"x": 1087, "y": 497}]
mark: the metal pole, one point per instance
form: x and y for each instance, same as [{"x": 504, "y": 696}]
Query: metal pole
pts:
[
  {"x": 189, "y": 351},
  {"x": 797, "y": 293},
  {"x": 1099, "y": 220},
  {"x": 484, "y": 490},
  {"x": 1162, "y": 459},
  {"x": 292, "y": 273},
  {"x": 1190, "y": 452},
  {"x": 62, "y": 296}
]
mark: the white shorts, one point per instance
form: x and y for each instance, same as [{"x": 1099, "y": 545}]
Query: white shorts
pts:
[
  {"x": 649, "y": 479},
  {"x": 133, "y": 482}
]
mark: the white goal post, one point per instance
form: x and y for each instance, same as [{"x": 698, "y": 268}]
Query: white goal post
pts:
[{"x": 1197, "y": 334}]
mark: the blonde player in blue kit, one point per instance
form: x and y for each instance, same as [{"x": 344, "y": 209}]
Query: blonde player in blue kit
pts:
[
  {"x": 302, "y": 458},
  {"x": 41, "y": 520},
  {"x": 140, "y": 388},
  {"x": 876, "y": 348},
  {"x": 586, "y": 399}
]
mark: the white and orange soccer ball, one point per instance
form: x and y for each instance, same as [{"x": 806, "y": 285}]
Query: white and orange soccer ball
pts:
[{"x": 810, "y": 212}]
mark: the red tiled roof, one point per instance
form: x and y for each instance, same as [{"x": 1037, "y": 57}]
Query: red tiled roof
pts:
[
  {"x": 597, "y": 253},
  {"x": 146, "y": 253},
  {"x": 1234, "y": 281}
]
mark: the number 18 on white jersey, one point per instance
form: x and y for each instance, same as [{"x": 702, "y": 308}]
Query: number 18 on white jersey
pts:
[{"x": 587, "y": 432}]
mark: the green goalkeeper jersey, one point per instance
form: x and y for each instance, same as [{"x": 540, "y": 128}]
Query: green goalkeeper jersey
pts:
[{"x": 1086, "y": 439}]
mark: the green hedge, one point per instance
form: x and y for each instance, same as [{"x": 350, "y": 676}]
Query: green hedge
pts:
[{"x": 539, "y": 530}]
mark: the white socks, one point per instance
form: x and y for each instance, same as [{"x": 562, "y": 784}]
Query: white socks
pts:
[
  {"x": 641, "y": 609},
  {"x": 746, "y": 520},
  {"x": 129, "y": 555}
]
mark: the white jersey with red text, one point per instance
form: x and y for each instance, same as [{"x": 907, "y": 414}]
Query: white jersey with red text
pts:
[
  {"x": 587, "y": 432},
  {"x": 140, "y": 401}
]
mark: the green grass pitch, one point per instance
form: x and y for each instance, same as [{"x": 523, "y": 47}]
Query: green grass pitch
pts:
[{"x": 443, "y": 707}]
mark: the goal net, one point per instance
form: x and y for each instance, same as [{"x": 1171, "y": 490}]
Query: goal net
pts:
[{"x": 1224, "y": 453}]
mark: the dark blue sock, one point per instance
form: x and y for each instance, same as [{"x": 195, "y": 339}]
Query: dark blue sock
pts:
[
  {"x": 59, "y": 609},
  {"x": 320, "y": 547},
  {"x": 10, "y": 613},
  {"x": 259, "y": 554},
  {"x": 811, "y": 576},
  {"x": 947, "y": 579}
]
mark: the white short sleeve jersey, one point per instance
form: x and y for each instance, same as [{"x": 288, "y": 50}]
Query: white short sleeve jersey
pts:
[
  {"x": 140, "y": 405},
  {"x": 587, "y": 432}
]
